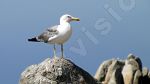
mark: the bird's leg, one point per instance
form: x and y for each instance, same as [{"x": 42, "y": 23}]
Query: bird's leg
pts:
[
  {"x": 62, "y": 51},
  {"x": 54, "y": 51}
]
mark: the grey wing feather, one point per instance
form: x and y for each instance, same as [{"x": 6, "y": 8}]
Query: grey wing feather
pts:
[{"x": 50, "y": 32}]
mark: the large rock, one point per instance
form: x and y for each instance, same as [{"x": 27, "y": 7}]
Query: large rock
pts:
[
  {"x": 102, "y": 70},
  {"x": 137, "y": 77},
  {"x": 136, "y": 60},
  {"x": 113, "y": 75},
  {"x": 148, "y": 74},
  {"x": 145, "y": 76},
  {"x": 127, "y": 73},
  {"x": 56, "y": 71},
  {"x": 131, "y": 66},
  {"x": 145, "y": 71}
]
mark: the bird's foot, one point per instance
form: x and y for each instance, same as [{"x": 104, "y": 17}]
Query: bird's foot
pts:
[
  {"x": 54, "y": 57},
  {"x": 62, "y": 57}
]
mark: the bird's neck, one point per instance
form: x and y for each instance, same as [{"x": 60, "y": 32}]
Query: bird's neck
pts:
[{"x": 64, "y": 23}]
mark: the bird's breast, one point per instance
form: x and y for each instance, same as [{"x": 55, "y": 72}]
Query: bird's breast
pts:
[{"x": 64, "y": 34}]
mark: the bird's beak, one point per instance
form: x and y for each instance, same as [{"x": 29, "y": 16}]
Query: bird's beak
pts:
[{"x": 75, "y": 19}]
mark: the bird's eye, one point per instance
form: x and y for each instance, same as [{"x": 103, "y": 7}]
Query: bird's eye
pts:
[{"x": 68, "y": 16}]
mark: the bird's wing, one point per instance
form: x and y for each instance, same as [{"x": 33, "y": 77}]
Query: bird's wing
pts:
[{"x": 49, "y": 33}]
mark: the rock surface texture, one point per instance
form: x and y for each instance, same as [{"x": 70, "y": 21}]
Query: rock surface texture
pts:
[
  {"x": 128, "y": 71},
  {"x": 56, "y": 71},
  {"x": 63, "y": 71}
]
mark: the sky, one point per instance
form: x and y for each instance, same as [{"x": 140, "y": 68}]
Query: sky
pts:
[{"x": 108, "y": 29}]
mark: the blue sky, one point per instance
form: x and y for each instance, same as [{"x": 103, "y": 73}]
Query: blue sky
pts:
[{"x": 108, "y": 29}]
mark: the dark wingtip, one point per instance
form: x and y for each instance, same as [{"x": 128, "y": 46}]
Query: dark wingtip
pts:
[
  {"x": 29, "y": 39},
  {"x": 33, "y": 39}
]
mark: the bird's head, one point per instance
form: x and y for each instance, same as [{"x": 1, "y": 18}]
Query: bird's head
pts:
[{"x": 68, "y": 18}]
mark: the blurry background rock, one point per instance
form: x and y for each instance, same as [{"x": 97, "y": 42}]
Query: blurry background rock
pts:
[{"x": 127, "y": 71}]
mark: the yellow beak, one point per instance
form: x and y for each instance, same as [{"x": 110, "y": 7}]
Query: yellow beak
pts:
[{"x": 75, "y": 19}]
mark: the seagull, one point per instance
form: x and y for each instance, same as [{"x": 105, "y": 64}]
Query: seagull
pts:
[{"x": 57, "y": 34}]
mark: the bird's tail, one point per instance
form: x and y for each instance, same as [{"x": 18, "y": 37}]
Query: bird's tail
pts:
[{"x": 35, "y": 39}]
